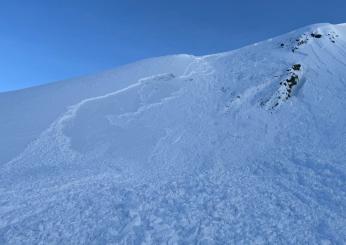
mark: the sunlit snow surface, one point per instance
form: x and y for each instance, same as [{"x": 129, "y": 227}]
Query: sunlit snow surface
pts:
[{"x": 184, "y": 150}]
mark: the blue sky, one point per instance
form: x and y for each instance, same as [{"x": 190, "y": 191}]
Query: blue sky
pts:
[{"x": 44, "y": 41}]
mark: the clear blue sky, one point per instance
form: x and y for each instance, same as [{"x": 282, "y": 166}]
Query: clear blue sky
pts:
[{"x": 48, "y": 40}]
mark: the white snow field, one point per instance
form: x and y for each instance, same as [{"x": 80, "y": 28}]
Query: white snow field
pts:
[{"x": 243, "y": 147}]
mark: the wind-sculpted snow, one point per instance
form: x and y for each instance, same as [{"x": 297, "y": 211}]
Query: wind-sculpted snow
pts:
[{"x": 244, "y": 147}]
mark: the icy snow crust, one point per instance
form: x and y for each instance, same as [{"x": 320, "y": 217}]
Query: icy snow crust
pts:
[{"x": 221, "y": 149}]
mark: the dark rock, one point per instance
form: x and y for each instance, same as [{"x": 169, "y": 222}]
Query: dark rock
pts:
[
  {"x": 316, "y": 35},
  {"x": 296, "y": 67}
]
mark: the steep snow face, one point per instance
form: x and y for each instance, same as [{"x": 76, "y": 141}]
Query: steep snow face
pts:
[
  {"x": 244, "y": 147},
  {"x": 26, "y": 113}
]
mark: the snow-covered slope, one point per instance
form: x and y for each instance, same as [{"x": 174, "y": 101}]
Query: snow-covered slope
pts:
[{"x": 243, "y": 147}]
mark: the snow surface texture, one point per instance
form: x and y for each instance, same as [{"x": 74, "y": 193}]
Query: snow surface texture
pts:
[{"x": 243, "y": 147}]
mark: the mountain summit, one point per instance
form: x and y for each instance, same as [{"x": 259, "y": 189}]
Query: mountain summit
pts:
[{"x": 242, "y": 147}]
